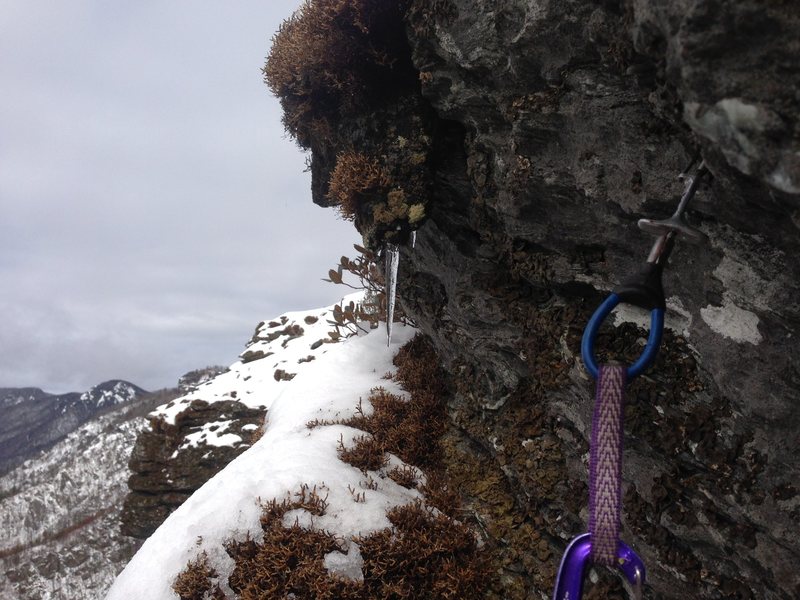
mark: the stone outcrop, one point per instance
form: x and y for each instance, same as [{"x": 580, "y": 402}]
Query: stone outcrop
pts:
[
  {"x": 551, "y": 128},
  {"x": 166, "y": 470}
]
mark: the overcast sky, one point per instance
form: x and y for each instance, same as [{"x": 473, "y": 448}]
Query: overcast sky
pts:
[{"x": 152, "y": 211}]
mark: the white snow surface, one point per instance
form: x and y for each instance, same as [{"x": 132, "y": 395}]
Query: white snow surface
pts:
[
  {"x": 212, "y": 434},
  {"x": 253, "y": 382},
  {"x": 288, "y": 456},
  {"x": 120, "y": 393}
]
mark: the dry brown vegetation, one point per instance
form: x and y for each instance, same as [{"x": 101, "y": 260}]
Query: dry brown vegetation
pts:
[
  {"x": 427, "y": 554},
  {"x": 334, "y": 57},
  {"x": 355, "y": 179},
  {"x": 196, "y": 582},
  {"x": 404, "y": 475},
  {"x": 333, "y": 62},
  {"x": 367, "y": 453},
  {"x": 289, "y": 560},
  {"x": 408, "y": 428},
  {"x": 390, "y": 193},
  {"x": 348, "y": 319}
]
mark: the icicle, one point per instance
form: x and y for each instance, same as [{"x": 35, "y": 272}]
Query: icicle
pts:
[
  {"x": 392, "y": 252},
  {"x": 413, "y": 238}
]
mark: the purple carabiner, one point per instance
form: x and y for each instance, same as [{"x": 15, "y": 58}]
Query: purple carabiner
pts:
[{"x": 569, "y": 582}]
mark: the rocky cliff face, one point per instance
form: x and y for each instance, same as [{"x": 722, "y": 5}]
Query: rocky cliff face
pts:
[{"x": 545, "y": 131}]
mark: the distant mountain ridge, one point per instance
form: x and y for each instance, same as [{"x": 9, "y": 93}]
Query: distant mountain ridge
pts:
[
  {"x": 59, "y": 510},
  {"x": 34, "y": 420}
]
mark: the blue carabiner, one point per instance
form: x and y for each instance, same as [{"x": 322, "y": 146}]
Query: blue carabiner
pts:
[
  {"x": 590, "y": 335},
  {"x": 571, "y": 573}
]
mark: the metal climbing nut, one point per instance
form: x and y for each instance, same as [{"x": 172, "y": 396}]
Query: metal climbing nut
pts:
[
  {"x": 576, "y": 560},
  {"x": 645, "y": 289},
  {"x": 676, "y": 224}
]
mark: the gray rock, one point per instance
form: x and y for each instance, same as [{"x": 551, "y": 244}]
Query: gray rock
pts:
[
  {"x": 555, "y": 127},
  {"x": 165, "y": 472}
]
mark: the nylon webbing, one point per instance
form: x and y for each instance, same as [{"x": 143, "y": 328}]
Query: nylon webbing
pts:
[{"x": 605, "y": 465}]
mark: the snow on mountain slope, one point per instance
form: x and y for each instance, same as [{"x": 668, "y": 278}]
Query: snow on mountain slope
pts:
[
  {"x": 111, "y": 393},
  {"x": 279, "y": 351},
  {"x": 330, "y": 381},
  {"x": 219, "y": 415},
  {"x": 34, "y": 420},
  {"x": 59, "y": 512}
]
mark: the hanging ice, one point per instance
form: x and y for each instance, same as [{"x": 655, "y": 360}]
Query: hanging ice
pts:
[
  {"x": 392, "y": 252},
  {"x": 413, "y": 238}
]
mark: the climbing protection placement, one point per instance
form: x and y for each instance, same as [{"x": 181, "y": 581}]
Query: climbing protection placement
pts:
[{"x": 601, "y": 545}]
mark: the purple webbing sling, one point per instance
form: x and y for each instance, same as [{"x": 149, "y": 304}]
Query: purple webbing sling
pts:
[{"x": 605, "y": 465}]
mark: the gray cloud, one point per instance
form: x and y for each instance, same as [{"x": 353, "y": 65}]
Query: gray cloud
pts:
[{"x": 151, "y": 209}]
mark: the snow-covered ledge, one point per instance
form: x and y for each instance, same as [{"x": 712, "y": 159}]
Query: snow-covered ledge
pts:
[{"x": 288, "y": 456}]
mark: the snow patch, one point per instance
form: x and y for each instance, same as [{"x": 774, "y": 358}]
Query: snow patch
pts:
[
  {"x": 741, "y": 115},
  {"x": 291, "y": 339},
  {"x": 299, "y": 517},
  {"x": 348, "y": 566},
  {"x": 212, "y": 434}
]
